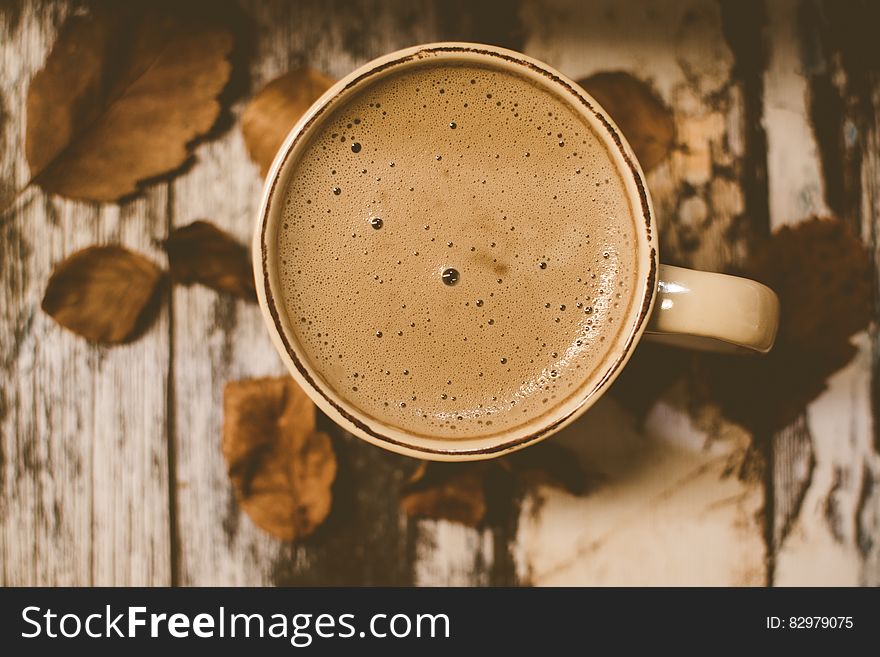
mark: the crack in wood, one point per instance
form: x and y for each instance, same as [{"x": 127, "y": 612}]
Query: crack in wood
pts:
[
  {"x": 794, "y": 464},
  {"x": 743, "y": 25},
  {"x": 171, "y": 439},
  {"x": 832, "y": 511},
  {"x": 231, "y": 517},
  {"x": 830, "y": 104},
  {"x": 225, "y": 321},
  {"x": 867, "y": 518}
]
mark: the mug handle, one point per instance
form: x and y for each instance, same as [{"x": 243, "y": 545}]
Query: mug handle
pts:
[{"x": 713, "y": 312}]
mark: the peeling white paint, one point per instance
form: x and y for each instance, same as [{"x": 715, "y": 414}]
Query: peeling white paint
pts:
[{"x": 793, "y": 169}]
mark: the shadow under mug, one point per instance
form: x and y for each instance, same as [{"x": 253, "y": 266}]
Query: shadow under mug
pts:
[{"x": 681, "y": 307}]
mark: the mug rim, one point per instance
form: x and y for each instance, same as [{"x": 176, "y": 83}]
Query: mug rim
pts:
[{"x": 592, "y": 387}]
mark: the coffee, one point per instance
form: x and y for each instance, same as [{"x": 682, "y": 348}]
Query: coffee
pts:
[{"x": 457, "y": 250}]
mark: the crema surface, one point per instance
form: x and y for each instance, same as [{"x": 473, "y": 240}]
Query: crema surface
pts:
[{"x": 456, "y": 251}]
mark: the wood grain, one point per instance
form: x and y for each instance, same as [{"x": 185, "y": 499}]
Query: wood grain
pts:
[{"x": 83, "y": 492}]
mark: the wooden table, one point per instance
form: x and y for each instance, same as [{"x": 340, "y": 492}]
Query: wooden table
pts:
[{"x": 110, "y": 467}]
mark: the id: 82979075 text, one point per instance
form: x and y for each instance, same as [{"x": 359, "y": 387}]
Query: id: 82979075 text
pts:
[{"x": 809, "y": 623}]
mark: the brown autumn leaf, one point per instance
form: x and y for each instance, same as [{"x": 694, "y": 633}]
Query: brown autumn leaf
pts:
[
  {"x": 280, "y": 466},
  {"x": 271, "y": 114},
  {"x": 202, "y": 253},
  {"x": 642, "y": 115},
  {"x": 470, "y": 493},
  {"x": 447, "y": 491},
  {"x": 821, "y": 272},
  {"x": 125, "y": 90},
  {"x": 106, "y": 294}
]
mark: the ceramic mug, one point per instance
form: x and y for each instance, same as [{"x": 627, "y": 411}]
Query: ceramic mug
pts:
[{"x": 673, "y": 305}]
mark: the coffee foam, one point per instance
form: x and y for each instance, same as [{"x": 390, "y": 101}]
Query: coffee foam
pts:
[{"x": 465, "y": 168}]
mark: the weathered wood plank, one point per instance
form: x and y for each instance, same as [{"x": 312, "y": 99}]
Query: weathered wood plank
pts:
[
  {"x": 84, "y": 485},
  {"x": 822, "y": 113},
  {"x": 674, "y": 501},
  {"x": 366, "y": 539}
]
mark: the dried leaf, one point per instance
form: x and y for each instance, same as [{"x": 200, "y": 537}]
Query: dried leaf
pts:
[
  {"x": 447, "y": 491},
  {"x": 202, "y": 253},
  {"x": 471, "y": 493},
  {"x": 104, "y": 293},
  {"x": 281, "y": 467},
  {"x": 271, "y": 114},
  {"x": 124, "y": 92},
  {"x": 643, "y": 117},
  {"x": 821, "y": 272},
  {"x": 548, "y": 464}
]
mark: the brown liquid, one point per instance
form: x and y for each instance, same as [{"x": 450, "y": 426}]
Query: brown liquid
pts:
[{"x": 457, "y": 251}]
